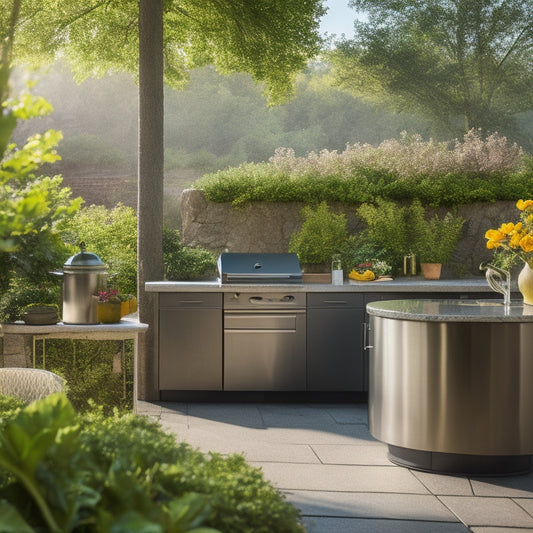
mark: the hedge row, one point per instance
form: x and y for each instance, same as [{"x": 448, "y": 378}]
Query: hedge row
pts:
[{"x": 263, "y": 183}]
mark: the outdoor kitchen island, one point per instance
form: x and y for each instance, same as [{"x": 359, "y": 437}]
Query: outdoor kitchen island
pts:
[
  {"x": 450, "y": 384},
  {"x": 217, "y": 341}
]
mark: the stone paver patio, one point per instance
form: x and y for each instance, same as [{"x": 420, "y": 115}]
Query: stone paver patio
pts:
[{"x": 323, "y": 458}]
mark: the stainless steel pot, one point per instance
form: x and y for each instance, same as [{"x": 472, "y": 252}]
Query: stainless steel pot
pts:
[{"x": 84, "y": 274}]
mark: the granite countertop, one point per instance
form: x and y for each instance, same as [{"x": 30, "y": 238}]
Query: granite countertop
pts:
[
  {"x": 452, "y": 310},
  {"x": 129, "y": 326},
  {"x": 404, "y": 284}
]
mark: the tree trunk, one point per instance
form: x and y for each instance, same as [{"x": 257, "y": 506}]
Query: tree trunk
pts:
[{"x": 150, "y": 186}]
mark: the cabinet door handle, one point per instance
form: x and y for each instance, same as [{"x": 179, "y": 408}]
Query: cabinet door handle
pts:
[
  {"x": 366, "y": 327},
  {"x": 338, "y": 302}
]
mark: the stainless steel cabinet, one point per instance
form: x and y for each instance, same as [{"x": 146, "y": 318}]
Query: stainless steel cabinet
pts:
[
  {"x": 335, "y": 359},
  {"x": 264, "y": 351},
  {"x": 190, "y": 341}
]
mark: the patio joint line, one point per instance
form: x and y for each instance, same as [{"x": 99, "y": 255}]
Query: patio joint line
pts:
[
  {"x": 316, "y": 454},
  {"x": 453, "y": 513}
]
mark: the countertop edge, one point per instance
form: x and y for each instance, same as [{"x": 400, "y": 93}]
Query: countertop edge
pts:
[
  {"x": 399, "y": 285},
  {"x": 457, "y": 311}
]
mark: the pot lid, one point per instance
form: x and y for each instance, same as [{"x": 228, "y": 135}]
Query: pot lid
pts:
[{"x": 84, "y": 259}]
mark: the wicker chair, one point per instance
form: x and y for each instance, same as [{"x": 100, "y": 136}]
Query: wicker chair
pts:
[{"x": 29, "y": 384}]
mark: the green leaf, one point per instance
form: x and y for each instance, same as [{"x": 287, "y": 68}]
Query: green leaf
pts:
[{"x": 11, "y": 521}]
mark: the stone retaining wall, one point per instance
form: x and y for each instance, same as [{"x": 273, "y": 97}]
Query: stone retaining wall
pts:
[{"x": 267, "y": 227}]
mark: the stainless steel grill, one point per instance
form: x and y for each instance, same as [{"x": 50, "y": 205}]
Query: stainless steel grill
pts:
[
  {"x": 264, "y": 331},
  {"x": 259, "y": 268}
]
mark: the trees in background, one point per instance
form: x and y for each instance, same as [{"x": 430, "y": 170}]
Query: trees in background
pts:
[
  {"x": 31, "y": 204},
  {"x": 269, "y": 39},
  {"x": 462, "y": 63}
]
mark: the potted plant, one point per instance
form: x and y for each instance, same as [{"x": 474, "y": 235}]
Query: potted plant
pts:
[
  {"x": 109, "y": 305},
  {"x": 435, "y": 240},
  {"x": 322, "y": 235}
]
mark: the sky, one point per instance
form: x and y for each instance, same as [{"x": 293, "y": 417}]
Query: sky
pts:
[{"x": 339, "y": 18}]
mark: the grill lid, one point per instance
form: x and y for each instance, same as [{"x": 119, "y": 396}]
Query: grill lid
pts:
[{"x": 259, "y": 268}]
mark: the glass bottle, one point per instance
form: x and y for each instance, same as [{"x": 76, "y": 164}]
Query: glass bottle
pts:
[{"x": 336, "y": 270}]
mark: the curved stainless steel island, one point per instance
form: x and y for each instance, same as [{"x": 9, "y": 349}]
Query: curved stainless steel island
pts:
[{"x": 451, "y": 384}]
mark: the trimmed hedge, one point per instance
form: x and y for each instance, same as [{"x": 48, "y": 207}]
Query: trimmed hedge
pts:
[{"x": 264, "y": 183}]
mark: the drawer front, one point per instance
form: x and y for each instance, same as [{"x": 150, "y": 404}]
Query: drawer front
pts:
[
  {"x": 190, "y": 299},
  {"x": 335, "y": 300}
]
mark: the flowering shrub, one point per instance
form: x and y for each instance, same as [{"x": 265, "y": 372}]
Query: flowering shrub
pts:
[
  {"x": 471, "y": 170},
  {"x": 408, "y": 157},
  {"x": 108, "y": 296},
  {"x": 517, "y": 239}
]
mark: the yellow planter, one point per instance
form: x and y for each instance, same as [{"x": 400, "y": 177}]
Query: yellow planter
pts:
[
  {"x": 125, "y": 308},
  {"x": 133, "y": 304},
  {"x": 129, "y": 306},
  {"x": 108, "y": 312}
]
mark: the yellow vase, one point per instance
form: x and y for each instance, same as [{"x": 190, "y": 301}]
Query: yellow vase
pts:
[
  {"x": 108, "y": 312},
  {"x": 525, "y": 284}
]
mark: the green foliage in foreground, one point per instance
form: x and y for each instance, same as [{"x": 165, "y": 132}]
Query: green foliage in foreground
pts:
[
  {"x": 263, "y": 183},
  {"x": 67, "y": 472}
]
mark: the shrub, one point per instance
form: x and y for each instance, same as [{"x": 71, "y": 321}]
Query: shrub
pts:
[
  {"x": 112, "y": 235},
  {"x": 404, "y": 229},
  {"x": 474, "y": 170},
  {"x": 95, "y": 371},
  {"x": 358, "y": 249},
  {"x": 123, "y": 473},
  {"x": 185, "y": 262},
  {"x": 321, "y": 236},
  {"x": 410, "y": 156},
  {"x": 438, "y": 238},
  {"x": 23, "y": 291},
  {"x": 391, "y": 227}
]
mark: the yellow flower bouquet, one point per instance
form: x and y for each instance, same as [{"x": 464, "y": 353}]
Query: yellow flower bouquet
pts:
[{"x": 515, "y": 238}]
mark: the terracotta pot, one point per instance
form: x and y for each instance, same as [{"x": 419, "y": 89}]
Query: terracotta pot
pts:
[
  {"x": 108, "y": 312},
  {"x": 431, "y": 270},
  {"x": 525, "y": 284}
]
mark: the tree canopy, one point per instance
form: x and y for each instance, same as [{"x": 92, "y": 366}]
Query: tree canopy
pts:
[
  {"x": 270, "y": 39},
  {"x": 463, "y": 63}
]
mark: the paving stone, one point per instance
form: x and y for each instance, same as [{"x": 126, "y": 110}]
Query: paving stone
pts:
[
  {"x": 336, "y": 434},
  {"x": 241, "y": 415},
  {"x": 510, "y": 487},
  {"x": 312, "y": 452},
  {"x": 351, "y": 525},
  {"x": 501, "y": 529},
  {"x": 371, "y": 505},
  {"x": 479, "y": 511},
  {"x": 352, "y": 454},
  {"x": 525, "y": 503},
  {"x": 174, "y": 418},
  {"x": 342, "y": 478},
  {"x": 253, "y": 451},
  {"x": 444, "y": 485},
  {"x": 147, "y": 408},
  {"x": 352, "y": 414},
  {"x": 173, "y": 407}
]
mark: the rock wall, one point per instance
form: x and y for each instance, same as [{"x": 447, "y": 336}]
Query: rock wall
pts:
[{"x": 267, "y": 227}]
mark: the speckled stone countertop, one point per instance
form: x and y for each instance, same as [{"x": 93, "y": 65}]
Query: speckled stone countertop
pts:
[
  {"x": 412, "y": 284},
  {"x": 128, "y": 328},
  {"x": 452, "y": 310}
]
